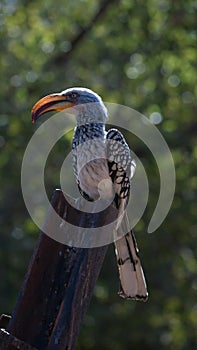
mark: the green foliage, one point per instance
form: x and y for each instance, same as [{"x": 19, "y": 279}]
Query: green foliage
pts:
[{"x": 143, "y": 55}]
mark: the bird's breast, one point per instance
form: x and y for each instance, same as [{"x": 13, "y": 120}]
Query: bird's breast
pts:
[
  {"x": 95, "y": 181},
  {"x": 92, "y": 169}
]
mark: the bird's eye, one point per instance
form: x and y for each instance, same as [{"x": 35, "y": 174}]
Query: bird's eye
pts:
[{"x": 73, "y": 95}]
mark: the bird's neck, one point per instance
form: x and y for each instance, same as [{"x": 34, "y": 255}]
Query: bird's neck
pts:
[
  {"x": 88, "y": 113},
  {"x": 88, "y": 132}
]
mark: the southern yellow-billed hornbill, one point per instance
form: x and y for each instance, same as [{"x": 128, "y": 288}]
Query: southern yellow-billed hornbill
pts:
[{"x": 105, "y": 177}]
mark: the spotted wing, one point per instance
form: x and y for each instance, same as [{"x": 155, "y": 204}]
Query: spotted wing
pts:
[{"x": 121, "y": 168}]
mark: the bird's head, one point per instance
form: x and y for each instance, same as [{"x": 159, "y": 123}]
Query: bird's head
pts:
[{"x": 86, "y": 105}]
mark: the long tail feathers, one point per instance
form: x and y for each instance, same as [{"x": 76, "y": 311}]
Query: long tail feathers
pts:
[{"x": 132, "y": 280}]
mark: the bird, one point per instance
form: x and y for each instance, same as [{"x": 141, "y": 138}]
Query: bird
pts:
[{"x": 106, "y": 177}]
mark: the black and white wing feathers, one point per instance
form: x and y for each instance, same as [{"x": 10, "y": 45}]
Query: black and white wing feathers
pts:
[{"x": 121, "y": 168}]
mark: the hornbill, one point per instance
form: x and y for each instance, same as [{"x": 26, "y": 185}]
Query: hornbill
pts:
[{"x": 101, "y": 178}]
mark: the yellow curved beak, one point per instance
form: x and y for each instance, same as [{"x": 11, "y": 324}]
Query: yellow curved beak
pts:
[{"x": 54, "y": 102}]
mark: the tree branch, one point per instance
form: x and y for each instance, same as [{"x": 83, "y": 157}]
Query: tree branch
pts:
[{"x": 62, "y": 58}]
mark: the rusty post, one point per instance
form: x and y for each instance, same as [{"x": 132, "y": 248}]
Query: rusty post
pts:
[{"x": 57, "y": 288}]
